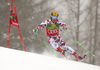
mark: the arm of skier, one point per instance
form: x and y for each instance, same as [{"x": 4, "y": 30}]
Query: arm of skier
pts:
[
  {"x": 41, "y": 26},
  {"x": 62, "y": 24}
]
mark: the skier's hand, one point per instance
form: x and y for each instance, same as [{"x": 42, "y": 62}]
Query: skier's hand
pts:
[
  {"x": 65, "y": 27},
  {"x": 35, "y": 30}
]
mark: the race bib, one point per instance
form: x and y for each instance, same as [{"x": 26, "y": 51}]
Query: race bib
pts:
[{"x": 52, "y": 29}]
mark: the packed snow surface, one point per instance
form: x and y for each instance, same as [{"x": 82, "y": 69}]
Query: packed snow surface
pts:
[{"x": 11, "y": 59}]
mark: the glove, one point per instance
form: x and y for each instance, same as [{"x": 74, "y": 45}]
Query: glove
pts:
[
  {"x": 61, "y": 29},
  {"x": 64, "y": 28},
  {"x": 35, "y": 30}
]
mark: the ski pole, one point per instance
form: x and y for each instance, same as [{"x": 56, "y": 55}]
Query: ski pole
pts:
[
  {"x": 44, "y": 42},
  {"x": 77, "y": 42}
]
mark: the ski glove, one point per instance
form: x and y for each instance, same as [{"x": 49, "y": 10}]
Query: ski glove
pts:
[
  {"x": 35, "y": 30},
  {"x": 64, "y": 28}
]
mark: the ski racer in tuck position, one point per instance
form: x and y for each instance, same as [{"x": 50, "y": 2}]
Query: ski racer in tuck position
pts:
[{"x": 53, "y": 37}]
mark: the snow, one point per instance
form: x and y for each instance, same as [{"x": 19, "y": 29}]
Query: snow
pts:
[
  {"x": 5, "y": 35},
  {"x": 8, "y": 3},
  {"x": 11, "y": 59}
]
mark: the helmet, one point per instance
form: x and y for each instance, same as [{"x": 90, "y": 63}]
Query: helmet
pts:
[{"x": 54, "y": 15}]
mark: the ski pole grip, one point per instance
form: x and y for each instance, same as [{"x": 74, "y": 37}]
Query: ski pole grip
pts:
[
  {"x": 33, "y": 31},
  {"x": 61, "y": 29}
]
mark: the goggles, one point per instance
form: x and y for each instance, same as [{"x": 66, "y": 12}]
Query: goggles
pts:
[{"x": 54, "y": 17}]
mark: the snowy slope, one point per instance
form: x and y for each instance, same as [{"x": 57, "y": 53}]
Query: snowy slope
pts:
[{"x": 19, "y": 60}]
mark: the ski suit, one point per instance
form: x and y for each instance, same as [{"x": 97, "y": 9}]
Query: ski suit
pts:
[{"x": 53, "y": 37}]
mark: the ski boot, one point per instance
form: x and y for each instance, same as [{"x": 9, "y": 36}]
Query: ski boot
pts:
[
  {"x": 79, "y": 57},
  {"x": 61, "y": 50},
  {"x": 63, "y": 53}
]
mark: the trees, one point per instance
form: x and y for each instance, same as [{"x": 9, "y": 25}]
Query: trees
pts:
[
  {"x": 95, "y": 30},
  {"x": 86, "y": 25}
]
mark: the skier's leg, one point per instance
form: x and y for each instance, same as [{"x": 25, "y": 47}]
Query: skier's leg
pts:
[
  {"x": 67, "y": 48},
  {"x": 54, "y": 45}
]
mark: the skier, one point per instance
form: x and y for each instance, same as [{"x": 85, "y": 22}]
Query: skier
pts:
[{"x": 53, "y": 37}]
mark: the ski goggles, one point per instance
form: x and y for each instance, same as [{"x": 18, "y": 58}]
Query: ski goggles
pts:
[{"x": 54, "y": 17}]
